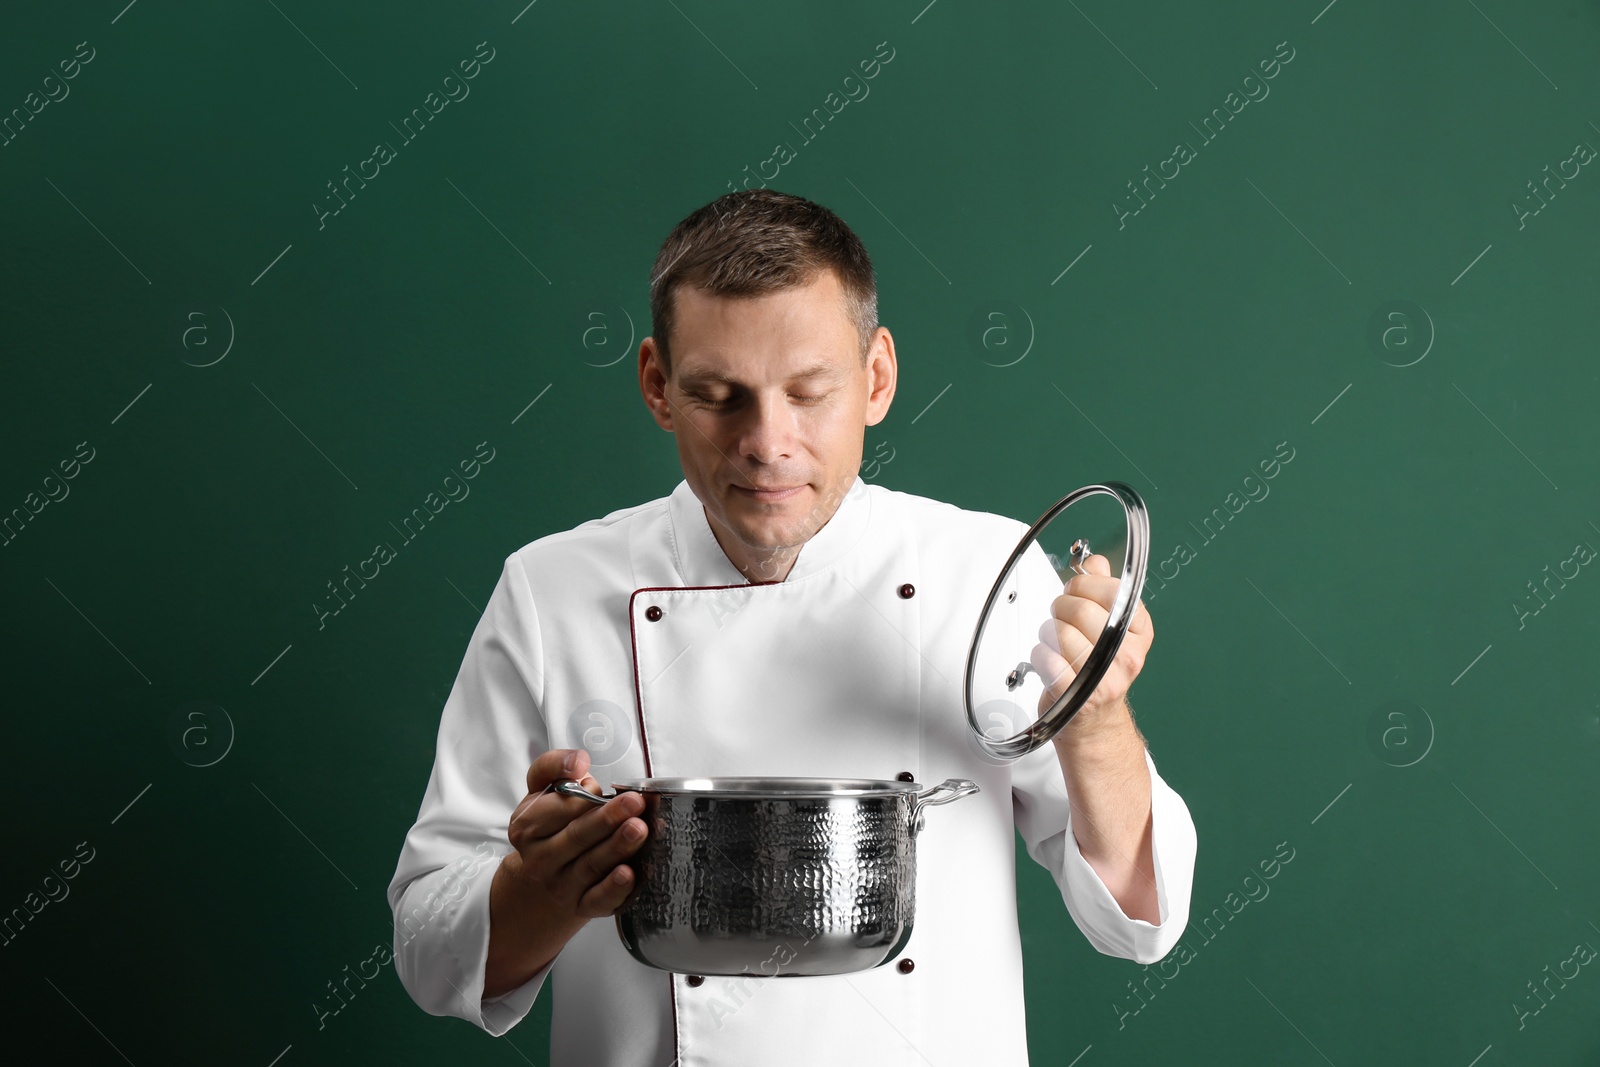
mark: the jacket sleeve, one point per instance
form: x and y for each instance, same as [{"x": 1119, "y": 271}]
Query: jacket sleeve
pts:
[
  {"x": 1044, "y": 819},
  {"x": 490, "y": 731}
]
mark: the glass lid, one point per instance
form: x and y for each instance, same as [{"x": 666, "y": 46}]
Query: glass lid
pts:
[{"x": 1028, "y": 672}]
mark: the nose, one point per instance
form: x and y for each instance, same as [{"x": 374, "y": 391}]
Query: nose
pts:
[{"x": 769, "y": 435}]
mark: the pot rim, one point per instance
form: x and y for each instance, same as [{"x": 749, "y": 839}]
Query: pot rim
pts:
[{"x": 760, "y": 787}]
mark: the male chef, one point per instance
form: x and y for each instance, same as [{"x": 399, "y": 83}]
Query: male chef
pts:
[{"x": 774, "y": 614}]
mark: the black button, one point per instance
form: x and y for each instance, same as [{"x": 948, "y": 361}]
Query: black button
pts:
[
  {"x": 653, "y": 613},
  {"x": 695, "y": 979},
  {"x": 907, "y": 591},
  {"x": 907, "y": 965},
  {"x": 906, "y": 776}
]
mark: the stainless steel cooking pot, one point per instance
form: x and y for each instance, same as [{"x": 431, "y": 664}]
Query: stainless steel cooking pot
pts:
[{"x": 774, "y": 876}]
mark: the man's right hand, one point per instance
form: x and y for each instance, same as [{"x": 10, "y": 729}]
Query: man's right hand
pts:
[{"x": 566, "y": 868}]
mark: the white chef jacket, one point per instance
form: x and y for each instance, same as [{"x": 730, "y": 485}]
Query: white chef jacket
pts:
[{"x": 850, "y": 667}]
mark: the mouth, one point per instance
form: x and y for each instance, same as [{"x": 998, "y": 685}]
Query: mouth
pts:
[{"x": 768, "y": 494}]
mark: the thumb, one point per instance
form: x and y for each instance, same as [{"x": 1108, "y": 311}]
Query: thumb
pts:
[{"x": 555, "y": 765}]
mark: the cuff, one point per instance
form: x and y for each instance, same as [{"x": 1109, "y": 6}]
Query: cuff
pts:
[
  {"x": 501, "y": 1013},
  {"x": 471, "y": 950},
  {"x": 442, "y": 945},
  {"x": 1096, "y": 911}
]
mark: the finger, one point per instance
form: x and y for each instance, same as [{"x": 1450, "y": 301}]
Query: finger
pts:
[
  {"x": 606, "y": 896},
  {"x": 556, "y": 764},
  {"x": 564, "y": 846},
  {"x": 1103, "y": 591},
  {"x": 1060, "y": 651},
  {"x": 1097, "y": 564},
  {"x": 544, "y": 813},
  {"x": 1088, "y": 617},
  {"x": 1096, "y": 587},
  {"x": 1054, "y": 672},
  {"x": 1057, "y": 673},
  {"x": 592, "y": 867},
  {"x": 1072, "y": 641}
]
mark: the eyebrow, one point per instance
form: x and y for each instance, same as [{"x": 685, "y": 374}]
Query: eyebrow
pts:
[{"x": 815, "y": 370}]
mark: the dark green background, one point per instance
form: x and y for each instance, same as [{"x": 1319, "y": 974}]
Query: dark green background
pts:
[{"x": 459, "y": 286}]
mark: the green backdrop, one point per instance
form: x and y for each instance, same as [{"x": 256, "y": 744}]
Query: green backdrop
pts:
[{"x": 1379, "y": 260}]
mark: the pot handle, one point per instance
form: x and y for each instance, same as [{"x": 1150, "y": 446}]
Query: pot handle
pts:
[
  {"x": 943, "y": 793},
  {"x": 573, "y": 789}
]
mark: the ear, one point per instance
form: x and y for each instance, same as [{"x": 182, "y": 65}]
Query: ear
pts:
[
  {"x": 653, "y": 384},
  {"x": 882, "y": 375}
]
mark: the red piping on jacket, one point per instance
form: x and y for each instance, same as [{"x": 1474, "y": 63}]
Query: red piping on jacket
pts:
[
  {"x": 633, "y": 644},
  {"x": 644, "y": 746}
]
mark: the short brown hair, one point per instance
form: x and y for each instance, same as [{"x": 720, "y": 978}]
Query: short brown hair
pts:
[{"x": 757, "y": 241}]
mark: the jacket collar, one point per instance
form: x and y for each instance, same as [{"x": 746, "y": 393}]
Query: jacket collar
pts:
[{"x": 700, "y": 560}]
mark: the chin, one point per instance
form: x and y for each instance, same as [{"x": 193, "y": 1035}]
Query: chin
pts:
[
  {"x": 769, "y": 531},
  {"x": 763, "y": 527}
]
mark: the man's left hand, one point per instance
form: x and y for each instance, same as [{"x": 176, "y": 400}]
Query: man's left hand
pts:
[{"x": 1080, "y": 614}]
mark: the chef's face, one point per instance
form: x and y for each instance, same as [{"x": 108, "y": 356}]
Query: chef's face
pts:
[{"x": 769, "y": 403}]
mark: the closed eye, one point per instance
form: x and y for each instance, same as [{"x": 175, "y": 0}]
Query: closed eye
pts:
[
  {"x": 711, "y": 404},
  {"x": 706, "y": 401}
]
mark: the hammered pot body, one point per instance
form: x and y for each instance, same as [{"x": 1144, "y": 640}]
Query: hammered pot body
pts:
[{"x": 763, "y": 886}]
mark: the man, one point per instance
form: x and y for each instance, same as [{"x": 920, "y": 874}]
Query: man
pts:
[{"x": 774, "y": 615}]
